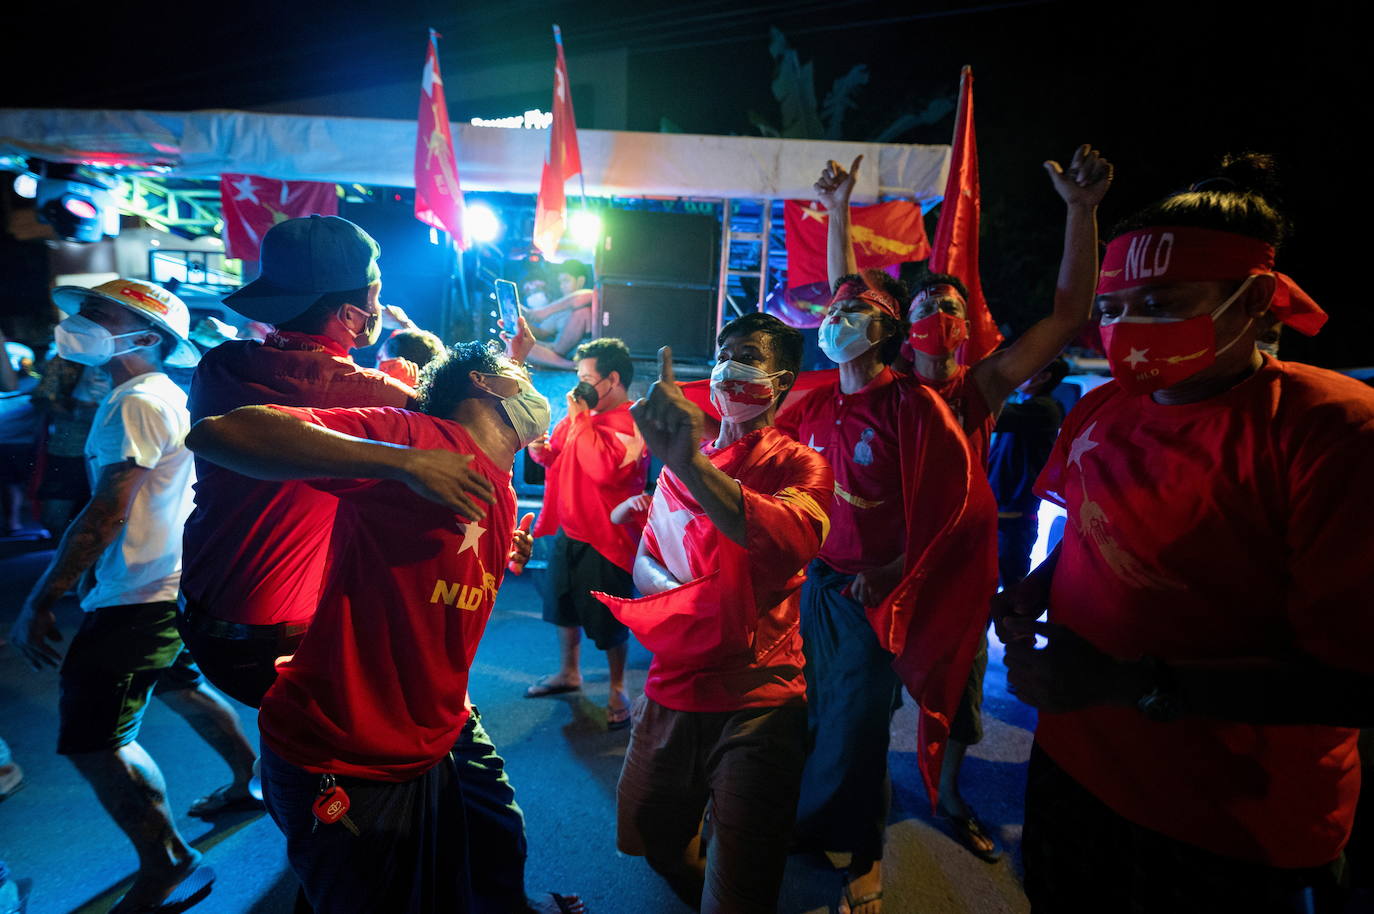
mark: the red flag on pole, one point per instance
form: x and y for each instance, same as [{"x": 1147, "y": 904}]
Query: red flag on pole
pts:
[
  {"x": 883, "y": 235},
  {"x": 438, "y": 198},
  {"x": 251, "y": 205},
  {"x": 561, "y": 162},
  {"x": 955, "y": 250}
]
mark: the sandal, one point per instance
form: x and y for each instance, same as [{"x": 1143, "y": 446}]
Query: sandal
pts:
[
  {"x": 219, "y": 802},
  {"x": 188, "y": 893},
  {"x": 544, "y": 688},
  {"x": 973, "y": 833},
  {"x": 856, "y": 903},
  {"x": 617, "y": 720}
]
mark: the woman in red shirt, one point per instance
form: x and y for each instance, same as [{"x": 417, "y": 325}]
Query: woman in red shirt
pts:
[{"x": 1208, "y": 607}]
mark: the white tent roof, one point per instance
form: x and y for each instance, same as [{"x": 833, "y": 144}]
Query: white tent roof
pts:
[{"x": 203, "y": 144}]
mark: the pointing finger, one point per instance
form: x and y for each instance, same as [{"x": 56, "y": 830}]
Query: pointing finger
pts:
[{"x": 665, "y": 364}]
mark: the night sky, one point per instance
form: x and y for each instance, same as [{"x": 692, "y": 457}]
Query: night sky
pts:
[{"x": 1163, "y": 89}]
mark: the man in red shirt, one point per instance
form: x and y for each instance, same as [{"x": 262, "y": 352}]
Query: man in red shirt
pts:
[
  {"x": 933, "y": 353},
  {"x": 595, "y": 460},
  {"x": 721, "y": 727},
  {"x": 374, "y": 701},
  {"x": 255, "y": 550},
  {"x": 1209, "y": 623},
  {"x": 899, "y": 591}
]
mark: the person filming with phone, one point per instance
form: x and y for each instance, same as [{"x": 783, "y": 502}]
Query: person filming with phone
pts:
[{"x": 595, "y": 459}]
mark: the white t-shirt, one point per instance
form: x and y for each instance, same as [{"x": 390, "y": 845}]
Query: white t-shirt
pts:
[{"x": 144, "y": 420}]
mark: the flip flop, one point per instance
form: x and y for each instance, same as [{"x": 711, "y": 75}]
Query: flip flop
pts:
[
  {"x": 543, "y": 688},
  {"x": 856, "y": 903},
  {"x": 219, "y": 802},
  {"x": 189, "y": 892},
  {"x": 567, "y": 904},
  {"x": 617, "y": 720},
  {"x": 969, "y": 830}
]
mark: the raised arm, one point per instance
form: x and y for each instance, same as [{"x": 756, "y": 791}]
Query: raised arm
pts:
[
  {"x": 833, "y": 189},
  {"x": 265, "y": 443},
  {"x": 1081, "y": 186}
]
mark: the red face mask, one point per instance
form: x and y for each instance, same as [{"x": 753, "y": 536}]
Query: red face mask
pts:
[
  {"x": 938, "y": 334},
  {"x": 1149, "y": 354}
]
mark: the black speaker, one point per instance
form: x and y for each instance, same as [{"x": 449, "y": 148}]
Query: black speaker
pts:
[
  {"x": 415, "y": 272},
  {"x": 648, "y": 315},
  {"x": 659, "y": 247}
]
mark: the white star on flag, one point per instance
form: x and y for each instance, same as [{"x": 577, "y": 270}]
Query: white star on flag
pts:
[
  {"x": 472, "y": 532},
  {"x": 246, "y": 190},
  {"x": 431, "y": 76},
  {"x": 634, "y": 446},
  {"x": 671, "y": 531},
  {"x": 813, "y": 445},
  {"x": 1081, "y": 445},
  {"x": 1136, "y": 357}
]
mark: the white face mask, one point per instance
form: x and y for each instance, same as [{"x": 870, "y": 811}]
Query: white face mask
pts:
[
  {"x": 81, "y": 340},
  {"x": 844, "y": 337},
  {"x": 527, "y": 410},
  {"x": 741, "y": 392}
]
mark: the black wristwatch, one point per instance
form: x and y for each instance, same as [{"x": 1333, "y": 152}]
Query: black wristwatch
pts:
[{"x": 1161, "y": 702}]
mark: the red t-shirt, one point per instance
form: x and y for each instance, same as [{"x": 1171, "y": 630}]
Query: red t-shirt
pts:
[
  {"x": 977, "y": 418},
  {"x": 376, "y": 688},
  {"x": 594, "y": 462},
  {"x": 858, "y": 435},
  {"x": 729, "y": 637},
  {"x": 253, "y": 551},
  {"x": 1229, "y": 531}
]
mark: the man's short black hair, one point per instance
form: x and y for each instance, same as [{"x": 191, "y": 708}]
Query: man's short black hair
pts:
[
  {"x": 931, "y": 280},
  {"x": 574, "y": 268},
  {"x": 420, "y": 346},
  {"x": 611, "y": 355},
  {"x": 444, "y": 383},
  {"x": 1058, "y": 370},
  {"x": 315, "y": 318},
  {"x": 786, "y": 342}
]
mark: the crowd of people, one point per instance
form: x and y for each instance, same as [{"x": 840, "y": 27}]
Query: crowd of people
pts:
[{"x": 326, "y": 542}]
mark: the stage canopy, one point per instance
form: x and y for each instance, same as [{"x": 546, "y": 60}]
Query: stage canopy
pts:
[{"x": 205, "y": 144}]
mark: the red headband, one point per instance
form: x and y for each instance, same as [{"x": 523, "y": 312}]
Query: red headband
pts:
[
  {"x": 864, "y": 292},
  {"x": 1178, "y": 254}
]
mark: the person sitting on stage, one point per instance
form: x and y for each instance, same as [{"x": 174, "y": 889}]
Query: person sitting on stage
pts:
[
  {"x": 595, "y": 460},
  {"x": 415, "y": 571},
  {"x": 563, "y": 323},
  {"x": 721, "y": 727},
  {"x": 1207, "y": 654}
]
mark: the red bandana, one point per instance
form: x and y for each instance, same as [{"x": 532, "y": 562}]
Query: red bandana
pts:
[
  {"x": 862, "y": 291},
  {"x": 1177, "y": 254}
]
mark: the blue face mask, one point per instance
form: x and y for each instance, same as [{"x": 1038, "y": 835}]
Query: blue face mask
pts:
[
  {"x": 528, "y": 411},
  {"x": 81, "y": 340},
  {"x": 844, "y": 336}
]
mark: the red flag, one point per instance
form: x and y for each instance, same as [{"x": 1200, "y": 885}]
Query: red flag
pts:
[
  {"x": 561, "y": 162},
  {"x": 883, "y": 235},
  {"x": 438, "y": 198},
  {"x": 955, "y": 250},
  {"x": 251, "y": 205}
]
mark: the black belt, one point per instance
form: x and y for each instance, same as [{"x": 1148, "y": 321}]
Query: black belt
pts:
[{"x": 237, "y": 631}]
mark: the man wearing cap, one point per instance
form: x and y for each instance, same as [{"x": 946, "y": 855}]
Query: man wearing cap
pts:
[
  {"x": 123, "y": 554},
  {"x": 255, "y": 550}
]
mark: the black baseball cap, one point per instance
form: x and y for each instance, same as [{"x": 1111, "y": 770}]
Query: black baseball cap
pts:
[{"x": 303, "y": 259}]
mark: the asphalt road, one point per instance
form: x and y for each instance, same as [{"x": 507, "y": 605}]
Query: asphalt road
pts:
[{"x": 69, "y": 857}]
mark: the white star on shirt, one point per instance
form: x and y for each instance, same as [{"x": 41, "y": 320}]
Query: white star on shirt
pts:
[
  {"x": 813, "y": 445},
  {"x": 430, "y": 77},
  {"x": 671, "y": 532},
  {"x": 1136, "y": 357},
  {"x": 634, "y": 446},
  {"x": 246, "y": 190},
  {"x": 1081, "y": 445},
  {"x": 472, "y": 532}
]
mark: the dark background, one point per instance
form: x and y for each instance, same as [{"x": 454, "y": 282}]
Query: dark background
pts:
[{"x": 1163, "y": 89}]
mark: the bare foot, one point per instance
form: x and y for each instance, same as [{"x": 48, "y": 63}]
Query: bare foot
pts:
[{"x": 862, "y": 887}]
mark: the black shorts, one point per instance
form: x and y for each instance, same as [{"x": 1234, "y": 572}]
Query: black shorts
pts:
[
  {"x": 118, "y": 659},
  {"x": 575, "y": 570}
]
